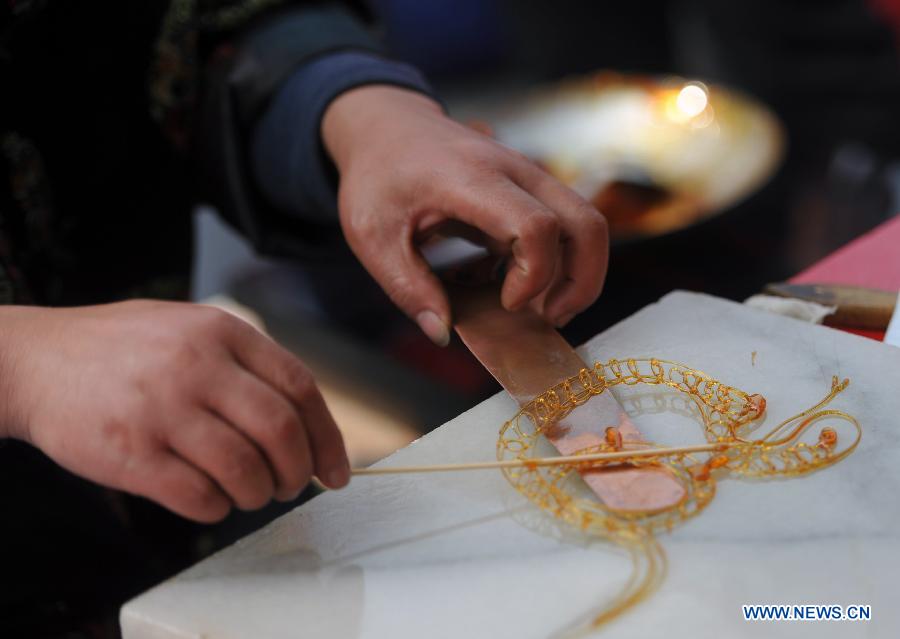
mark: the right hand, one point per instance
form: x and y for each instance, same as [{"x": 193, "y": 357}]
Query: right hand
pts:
[
  {"x": 180, "y": 403},
  {"x": 407, "y": 171}
]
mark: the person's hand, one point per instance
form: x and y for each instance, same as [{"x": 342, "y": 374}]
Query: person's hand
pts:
[
  {"x": 180, "y": 403},
  {"x": 406, "y": 169}
]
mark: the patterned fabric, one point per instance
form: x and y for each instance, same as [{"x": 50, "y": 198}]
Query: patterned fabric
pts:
[
  {"x": 118, "y": 117},
  {"x": 76, "y": 203},
  {"x": 174, "y": 74}
]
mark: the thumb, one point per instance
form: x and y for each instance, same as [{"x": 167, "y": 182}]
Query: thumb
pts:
[{"x": 415, "y": 289}]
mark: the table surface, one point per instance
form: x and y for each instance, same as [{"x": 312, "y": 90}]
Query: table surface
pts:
[{"x": 449, "y": 555}]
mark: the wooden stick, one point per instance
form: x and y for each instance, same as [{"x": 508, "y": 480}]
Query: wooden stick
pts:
[{"x": 541, "y": 461}]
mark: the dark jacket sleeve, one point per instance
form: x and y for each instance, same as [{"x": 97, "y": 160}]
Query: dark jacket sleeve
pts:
[
  {"x": 239, "y": 82},
  {"x": 289, "y": 162}
]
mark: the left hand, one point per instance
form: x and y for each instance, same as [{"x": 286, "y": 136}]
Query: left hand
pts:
[{"x": 406, "y": 169}]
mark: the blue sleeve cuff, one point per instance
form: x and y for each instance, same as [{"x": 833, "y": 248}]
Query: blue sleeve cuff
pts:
[{"x": 288, "y": 160}]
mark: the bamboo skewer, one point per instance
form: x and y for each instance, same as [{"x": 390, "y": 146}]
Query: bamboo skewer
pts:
[{"x": 542, "y": 461}]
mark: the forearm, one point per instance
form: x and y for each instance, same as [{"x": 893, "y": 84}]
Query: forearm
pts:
[{"x": 18, "y": 327}]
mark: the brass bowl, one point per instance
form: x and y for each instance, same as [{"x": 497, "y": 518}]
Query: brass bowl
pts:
[{"x": 653, "y": 154}]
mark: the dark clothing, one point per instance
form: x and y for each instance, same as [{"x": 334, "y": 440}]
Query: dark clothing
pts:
[
  {"x": 116, "y": 118},
  {"x": 88, "y": 169},
  {"x": 238, "y": 90}
]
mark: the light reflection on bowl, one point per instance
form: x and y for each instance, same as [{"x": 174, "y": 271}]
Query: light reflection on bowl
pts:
[{"x": 655, "y": 154}]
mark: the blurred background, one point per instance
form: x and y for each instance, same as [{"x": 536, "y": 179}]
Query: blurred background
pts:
[{"x": 731, "y": 144}]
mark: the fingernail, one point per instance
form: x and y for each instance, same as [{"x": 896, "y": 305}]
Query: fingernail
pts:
[
  {"x": 433, "y": 327},
  {"x": 288, "y": 497},
  {"x": 510, "y": 303},
  {"x": 338, "y": 477},
  {"x": 565, "y": 319}
]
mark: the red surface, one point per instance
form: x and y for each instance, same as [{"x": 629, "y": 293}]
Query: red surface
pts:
[
  {"x": 889, "y": 11},
  {"x": 871, "y": 260}
]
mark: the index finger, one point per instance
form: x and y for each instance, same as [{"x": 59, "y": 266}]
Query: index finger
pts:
[
  {"x": 526, "y": 227},
  {"x": 286, "y": 374},
  {"x": 585, "y": 239}
]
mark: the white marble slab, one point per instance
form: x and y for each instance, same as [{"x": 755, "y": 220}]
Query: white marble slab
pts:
[
  {"x": 892, "y": 336},
  {"x": 463, "y": 555}
]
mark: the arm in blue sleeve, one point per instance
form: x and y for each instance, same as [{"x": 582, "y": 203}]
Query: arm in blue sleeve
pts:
[{"x": 288, "y": 160}]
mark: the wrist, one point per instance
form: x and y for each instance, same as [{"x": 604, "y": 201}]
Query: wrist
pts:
[
  {"x": 14, "y": 321},
  {"x": 355, "y": 118}
]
